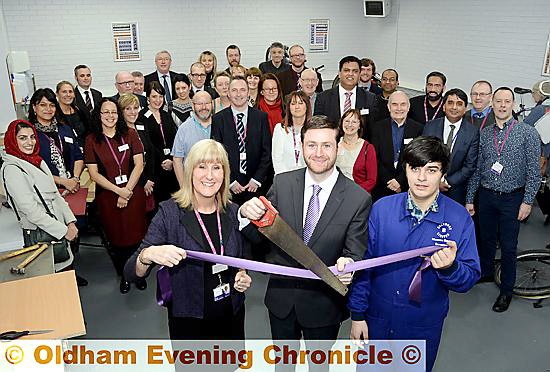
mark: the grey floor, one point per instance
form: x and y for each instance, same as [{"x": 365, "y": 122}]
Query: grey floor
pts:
[{"x": 474, "y": 338}]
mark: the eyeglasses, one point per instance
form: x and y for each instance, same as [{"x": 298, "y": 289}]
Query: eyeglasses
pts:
[
  {"x": 129, "y": 82},
  {"x": 480, "y": 95},
  {"x": 300, "y": 55},
  {"x": 111, "y": 113},
  {"x": 309, "y": 81},
  {"x": 271, "y": 90},
  {"x": 198, "y": 75}
]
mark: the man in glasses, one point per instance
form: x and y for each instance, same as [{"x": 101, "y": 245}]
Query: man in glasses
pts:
[
  {"x": 124, "y": 83},
  {"x": 481, "y": 113},
  {"x": 289, "y": 78},
  {"x": 197, "y": 75}
]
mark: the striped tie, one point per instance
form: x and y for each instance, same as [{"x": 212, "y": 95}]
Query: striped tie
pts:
[
  {"x": 313, "y": 213},
  {"x": 347, "y": 102},
  {"x": 242, "y": 135}
]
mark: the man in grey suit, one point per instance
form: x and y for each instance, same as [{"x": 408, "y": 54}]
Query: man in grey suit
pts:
[{"x": 330, "y": 212}]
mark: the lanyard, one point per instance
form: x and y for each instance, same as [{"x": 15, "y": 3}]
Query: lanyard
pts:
[
  {"x": 207, "y": 235},
  {"x": 499, "y": 151},
  {"x": 60, "y": 147},
  {"x": 118, "y": 162},
  {"x": 296, "y": 149},
  {"x": 426, "y": 109},
  {"x": 484, "y": 119},
  {"x": 162, "y": 133}
]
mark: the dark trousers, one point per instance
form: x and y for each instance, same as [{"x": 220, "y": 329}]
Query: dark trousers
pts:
[
  {"x": 229, "y": 327},
  {"x": 498, "y": 219},
  {"x": 119, "y": 256},
  {"x": 291, "y": 330}
]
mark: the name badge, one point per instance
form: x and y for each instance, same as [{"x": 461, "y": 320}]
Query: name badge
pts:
[
  {"x": 166, "y": 151},
  {"x": 121, "y": 179},
  {"x": 242, "y": 156},
  {"x": 218, "y": 268},
  {"x": 497, "y": 168},
  {"x": 222, "y": 291},
  {"x": 364, "y": 111},
  {"x": 140, "y": 127},
  {"x": 407, "y": 140},
  {"x": 123, "y": 147},
  {"x": 68, "y": 139}
]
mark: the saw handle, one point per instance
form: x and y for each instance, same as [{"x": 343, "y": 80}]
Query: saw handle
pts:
[{"x": 269, "y": 217}]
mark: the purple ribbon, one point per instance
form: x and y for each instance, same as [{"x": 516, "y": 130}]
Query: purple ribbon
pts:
[
  {"x": 164, "y": 289},
  {"x": 415, "y": 289}
]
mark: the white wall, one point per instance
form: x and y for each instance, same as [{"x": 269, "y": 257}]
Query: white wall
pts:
[
  {"x": 502, "y": 41},
  {"x": 7, "y": 111}
]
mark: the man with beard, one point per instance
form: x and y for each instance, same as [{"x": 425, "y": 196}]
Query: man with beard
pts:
[
  {"x": 390, "y": 81},
  {"x": 481, "y": 113},
  {"x": 233, "y": 55},
  {"x": 429, "y": 106},
  {"x": 289, "y": 78},
  {"x": 329, "y": 211},
  {"x": 366, "y": 77},
  {"x": 191, "y": 131},
  {"x": 277, "y": 63}
]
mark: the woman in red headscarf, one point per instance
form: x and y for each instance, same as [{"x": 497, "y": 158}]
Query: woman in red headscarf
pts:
[{"x": 32, "y": 193}]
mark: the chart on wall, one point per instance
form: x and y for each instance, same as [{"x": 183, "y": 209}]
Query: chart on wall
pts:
[
  {"x": 126, "y": 41},
  {"x": 318, "y": 35}
]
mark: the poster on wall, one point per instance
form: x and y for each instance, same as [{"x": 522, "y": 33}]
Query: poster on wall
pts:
[
  {"x": 126, "y": 41},
  {"x": 546, "y": 63},
  {"x": 318, "y": 35}
]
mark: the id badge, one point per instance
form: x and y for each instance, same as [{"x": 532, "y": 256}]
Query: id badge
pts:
[
  {"x": 121, "y": 179},
  {"x": 497, "y": 168},
  {"x": 218, "y": 268},
  {"x": 166, "y": 151},
  {"x": 68, "y": 139},
  {"x": 140, "y": 127},
  {"x": 242, "y": 156},
  {"x": 364, "y": 111},
  {"x": 123, "y": 147},
  {"x": 222, "y": 291}
]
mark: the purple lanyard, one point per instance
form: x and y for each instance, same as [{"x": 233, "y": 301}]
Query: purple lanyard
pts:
[
  {"x": 426, "y": 109},
  {"x": 162, "y": 133},
  {"x": 296, "y": 149},
  {"x": 118, "y": 162},
  {"x": 207, "y": 235},
  {"x": 484, "y": 119},
  {"x": 499, "y": 151}
]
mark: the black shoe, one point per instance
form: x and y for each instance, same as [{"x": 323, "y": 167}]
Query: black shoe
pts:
[
  {"x": 141, "y": 284},
  {"x": 502, "y": 303},
  {"x": 547, "y": 220},
  {"x": 81, "y": 281},
  {"x": 124, "y": 286},
  {"x": 486, "y": 279}
]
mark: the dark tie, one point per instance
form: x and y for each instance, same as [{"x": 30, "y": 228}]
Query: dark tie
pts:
[
  {"x": 242, "y": 134},
  {"x": 313, "y": 213},
  {"x": 479, "y": 115},
  {"x": 88, "y": 101},
  {"x": 451, "y": 136},
  {"x": 167, "y": 89}
]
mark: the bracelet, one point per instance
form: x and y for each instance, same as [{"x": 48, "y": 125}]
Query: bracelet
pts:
[{"x": 141, "y": 261}]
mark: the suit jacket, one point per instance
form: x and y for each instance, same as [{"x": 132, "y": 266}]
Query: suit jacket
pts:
[
  {"x": 463, "y": 157},
  {"x": 153, "y": 76},
  {"x": 340, "y": 232},
  {"x": 328, "y": 103},
  {"x": 380, "y": 135},
  {"x": 81, "y": 103},
  {"x": 207, "y": 89},
  {"x": 288, "y": 84},
  {"x": 258, "y": 144},
  {"x": 142, "y": 99},
  {"x": 477, "y": 122}
]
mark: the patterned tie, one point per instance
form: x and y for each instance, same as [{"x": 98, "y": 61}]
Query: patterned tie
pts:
[
  {"x": 347, "y": 102},
  {"x": 242, "y": 136},
  {"x": 88, "y": 101},
  {"x": 313, "y": 214},
  {"x": 450, "y": 137},
  {"x": 478, "y": 115},
  {"x": 167, "y": 89}
]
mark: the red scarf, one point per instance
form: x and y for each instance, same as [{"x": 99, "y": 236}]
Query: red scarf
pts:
[
  {"x": 274, "y": 112},
  {"x": 12, "y": 148}
]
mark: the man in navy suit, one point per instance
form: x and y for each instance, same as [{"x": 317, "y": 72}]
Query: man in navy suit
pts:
[
  {"x": 163, "y": 61},
  {"x": 334, "y": 102},
  {"x": 244, "y": 132},
  {"x": 462, "y": 138}
]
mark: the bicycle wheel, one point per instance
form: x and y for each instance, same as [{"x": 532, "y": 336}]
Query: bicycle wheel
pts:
[{"x": 532, "y": 274}]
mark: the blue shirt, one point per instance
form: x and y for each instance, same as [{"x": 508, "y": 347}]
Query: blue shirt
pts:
[
  {"x": 483, "y": 113},
  {"x": 519, "y": 158},
  {"x": 189, "y": 133},
  {"x": 397, "y": 134}
]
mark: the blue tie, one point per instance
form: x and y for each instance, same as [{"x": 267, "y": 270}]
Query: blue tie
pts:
[
  {"x": 313, "y": 213},
  {"x": 167, "y": 89}
]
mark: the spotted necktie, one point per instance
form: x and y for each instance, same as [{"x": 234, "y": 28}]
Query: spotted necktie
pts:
[{"x": 313, "y": 213}]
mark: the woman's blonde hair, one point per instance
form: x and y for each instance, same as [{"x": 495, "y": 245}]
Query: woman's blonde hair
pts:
[
  {"x": 127, "y": 99},
  {"x": 204, "y": 151}
]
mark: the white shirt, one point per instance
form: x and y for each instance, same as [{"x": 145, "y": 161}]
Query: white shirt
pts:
[
  {"x": 81, "y": 91},
  {"x": 168, "y": 81},
  {"x": 447, "y": 130},
  {"x": 342, "y": 93},
  {"x": 195, "y": 89},
  {"x": 326, "y": 188},
  {"x": 283, "y": 151}
]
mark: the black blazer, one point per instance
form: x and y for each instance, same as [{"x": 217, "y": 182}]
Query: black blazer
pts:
[
  {"x": 80, "y": 102},
  {"x": 340, "y": 232},
  {"x": 380, "y": 135},
  {"x": 207, "y": 89},
  {"x": 328, "y": 103},
  {"x": 153, "y": 76},
  {"x": 463, "y": 157},
  {"x": 258, "y": 144},
  {"x": 142, "y": 99},
  {"x": 288, "y": 84}
]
